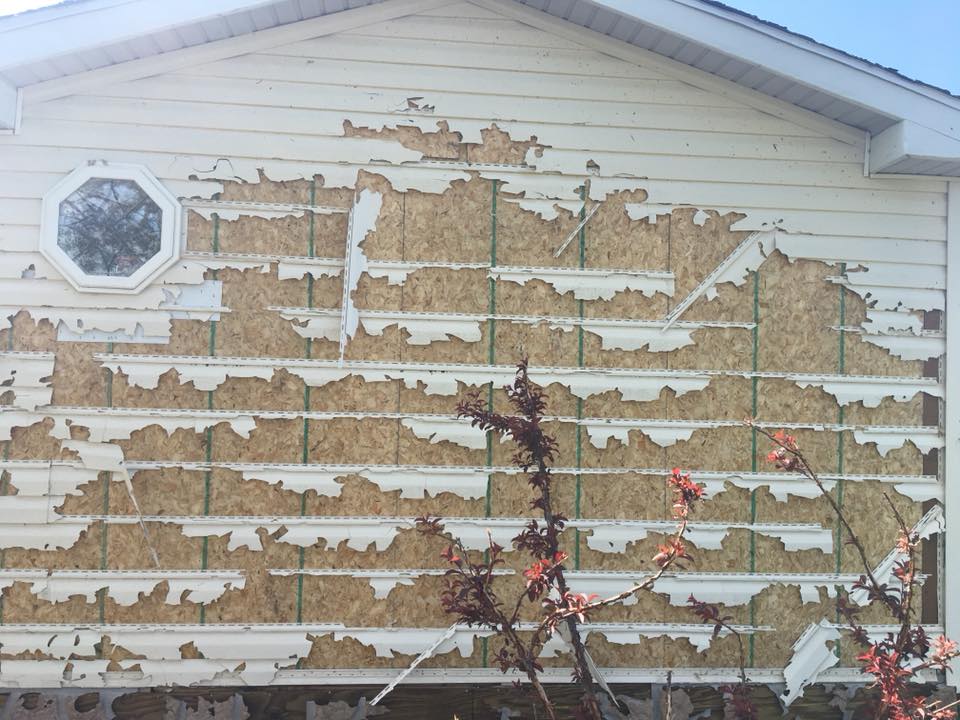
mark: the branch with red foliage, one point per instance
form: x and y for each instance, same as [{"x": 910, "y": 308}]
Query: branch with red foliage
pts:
[
  {"x": 470, "y": 595},
  {"x": 895, "y": 660}
]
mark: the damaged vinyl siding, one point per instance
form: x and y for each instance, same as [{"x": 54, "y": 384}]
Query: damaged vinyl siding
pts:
[{"x": 379, "y": 221}]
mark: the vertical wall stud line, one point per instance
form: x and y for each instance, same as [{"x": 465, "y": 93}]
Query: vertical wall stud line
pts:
[
  {"x": 208, "y": 433},
  {"x": 305, "y": 439},
  {"x": 491, "y": 360},
  {"x": 400, "y": 343},
  {"x": 754, "y": 408},
  {"x": 582, "y": 240},
  {"x": 841, "y": 368},
  {"x": 105, "y": 506}
]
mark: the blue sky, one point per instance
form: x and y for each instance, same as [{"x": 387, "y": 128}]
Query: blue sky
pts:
[
  {"x": 917, "y": 37},
  {"x": 920, "y": 38}
]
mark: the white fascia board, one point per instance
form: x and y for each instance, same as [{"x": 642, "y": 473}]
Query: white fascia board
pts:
[
  {"x": 909, "y": 140},
  {"x": 950, "y": 368},
  {"x": 800, "y": 60},
  {"x": 99, "y": 24},
  {"x": 9, "y": 107}
]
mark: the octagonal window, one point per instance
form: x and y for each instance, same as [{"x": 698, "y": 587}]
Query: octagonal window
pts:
[{"x": 110, "y": 228}]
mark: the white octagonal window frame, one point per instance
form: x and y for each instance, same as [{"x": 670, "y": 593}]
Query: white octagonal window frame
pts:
[{"x": 170, "y": 240}]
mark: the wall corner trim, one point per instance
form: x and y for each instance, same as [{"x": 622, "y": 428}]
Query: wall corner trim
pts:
[{"x": 951, "y": 419}]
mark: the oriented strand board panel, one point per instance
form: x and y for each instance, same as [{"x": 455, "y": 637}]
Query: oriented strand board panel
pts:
[{"x": 379, "y": 222}]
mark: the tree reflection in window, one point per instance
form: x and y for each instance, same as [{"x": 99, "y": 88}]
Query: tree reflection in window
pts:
[{"x": 109, "y": 227}]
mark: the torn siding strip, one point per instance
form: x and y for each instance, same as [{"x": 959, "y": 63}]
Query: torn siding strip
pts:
[
  {"x": 117, "y": 423},
  {"x": 926, "y": 345},
  {"x": 417, "y": 481},
  {"x": 363, "y": 220},
  {"x": 383, "y": 582},
  {"x": 613, "y": 536},
  {"x": 25, "y": 378},
  {"x": 230, "y": 210},
  {"x": 47, "y": 478},
  {"x": 424, "y": 328},
  {"x": 117, "y": 319},
  {"x": 254, "y": 653},
  {"x": 930, "y": 524},
  {"x": 812, "y": 654},
  {"x": 700, "y": 636},
  {"x": 590, "y": 283},
  {"x": 728, "y": 589},
  {"x": 208, "y": 373},
  {"x": 360, "y": 532},
  {"x": 870, "y": 390},
  {"x": 125, "y": 586},
  {"x": 56, "y": 479},
  {"x": 412, "y": 482},
  {"x": 668, "y": 432}
]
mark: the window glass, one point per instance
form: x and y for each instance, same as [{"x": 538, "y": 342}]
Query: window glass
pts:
[{"x": 109, "y": 227}]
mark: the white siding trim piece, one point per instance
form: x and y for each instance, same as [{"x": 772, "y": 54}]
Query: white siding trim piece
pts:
[
  {"x": 697, "y": 676},
  {"x": 668, "y": 432},
  {"x": 931, "y": 523},
  {"x": 586, "y": 284},
  {"x": 358, "y": 532},
  {"x": 363, "y": 221},
  {"x": 207, "y": 373},
  {"x": 383, "y": 582},
  {"x": 925, "y": 345},
  {"x": 119, "y": 423},
  {"x": 125, "y": 586},
  {"x": 891, "y": 295},
  {"x": 36, "y": 478},
  {"x": 589, "y": 283},
  {"x": 296, "y": 266},
  {"x": 887, "y": 439},
  {"x": 728, "y": 589},
  {"x": 870, "y": 390},
  {"x": 613, "y": 536},
  {"x": 609, "y": 536},
  {"x": 100, "y": 319},
  {"x": 882, "y": 321},
  {"x": 424, "y": 328},
  {"x": 78, "y": 674},
  {"x": 107, "y": 424},
  {"x": 438, "y": 429},
  {"x": 26, "y": 376},
  {"x": 412, "y": 641},
  {"x": 747, "y": 256},
  {"x": 811, "y": 656},
  {"x": 700, "y": 636},
  {"x": 230, "y": 210},
  {"x": 414, "y": 481},
  {"x": 253, "y": 653}
]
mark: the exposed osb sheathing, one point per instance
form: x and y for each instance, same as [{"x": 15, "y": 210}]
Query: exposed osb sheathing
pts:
[{"x": 195, "y": 485}]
